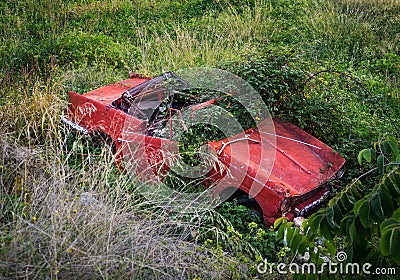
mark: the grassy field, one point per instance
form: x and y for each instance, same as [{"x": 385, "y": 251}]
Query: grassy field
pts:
[{"x": 331, "y": 67}]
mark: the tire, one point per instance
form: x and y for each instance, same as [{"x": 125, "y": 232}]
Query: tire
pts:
[
  {"x": 254, "y": 213},
  {"x": 102, "y": 140}
]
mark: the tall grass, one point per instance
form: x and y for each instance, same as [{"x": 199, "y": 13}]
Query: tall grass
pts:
[
  {"x": 88, "y": 220},
  {"x": 213, "y": 39},
  {"x": 151, "y": 36},
  {"x": 29, "y": 108},
  {"x": 352, "y": 29}
]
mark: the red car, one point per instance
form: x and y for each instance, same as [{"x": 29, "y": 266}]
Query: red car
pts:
[{"x": 138, "y": 111}]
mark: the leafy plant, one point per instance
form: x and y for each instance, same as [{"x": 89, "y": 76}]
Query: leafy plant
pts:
[
  {"x": 385, "y": 152},
  {"x": 364, "y": 224},
  {"x": 251, "y": 229}
]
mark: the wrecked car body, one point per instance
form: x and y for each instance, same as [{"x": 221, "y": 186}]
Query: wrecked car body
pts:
[{"x": 137, "y": 110}]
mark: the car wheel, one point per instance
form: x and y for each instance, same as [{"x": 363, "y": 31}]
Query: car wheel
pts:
[
  {"x": 254, "y": 213},
  {"x": 102, "y": 140}
]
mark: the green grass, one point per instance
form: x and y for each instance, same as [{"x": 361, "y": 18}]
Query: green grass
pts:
[{"x": 330, "y": 67}]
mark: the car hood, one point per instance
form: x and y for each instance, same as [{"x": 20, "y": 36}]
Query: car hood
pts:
[{"x": 293, "y": 161}]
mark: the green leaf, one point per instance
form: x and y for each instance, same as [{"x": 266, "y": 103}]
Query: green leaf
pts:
[
  {"x": 394, "y": 145},
  {"x": 390, "y": 147},
  {"x": 281, "y": 232},
  {"x": 364, "y": 154},
  {"x": 356, "y": 191},
  {"x": 352, "y": 199},
  {"x": 303, "y": 246},
  {"x": 389, "y": 223},
  {"x": 392, "y": 185},
  {"x": 363, "y": 214},
  {"x": 314, "y": 256},
  {"x": 289, "y": 236},
  {"x": 338, "y": 213},
  {"x": 325, "y": 229},
  {"x": 386, "y": 147},
  {"x": 349, "y": 252},
  {"x": 304, "y": 225},
  {"x": 376, "y": 205},
  {"x": 352, "y": 231},
  {"x": 390, "y": 243},
  {"x": 345, "y": 202},
  {"x": 387, "y": 203},
  {"x": 296, "y": 240},
  {"x": 357, "y": 205},
  {"x": 330, "y": 215},
  {"x": 380, "y": 163},
  {"x": 384, "y": 243},
  {"x": 313, "y": 223},
  {"x": 360, "y": 237},
  {"x": 331, "y": 248},
  {"x": 396, "y": 214},
  {"x": 395, "y": 177},
  {"x": 279, "y": 221},
  {"x": 345, "y": 224}
]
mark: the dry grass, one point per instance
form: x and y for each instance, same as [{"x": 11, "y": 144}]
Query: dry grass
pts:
[
  {"x": 86, "y": 220},
  {"x": 89, "y": 223},
  {"x": 30, "y": 109}
]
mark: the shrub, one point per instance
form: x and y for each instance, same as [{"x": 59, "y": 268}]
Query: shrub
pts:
[{"x": 251, "y": 229}]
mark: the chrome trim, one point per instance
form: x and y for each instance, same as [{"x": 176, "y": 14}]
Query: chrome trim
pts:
[
  {"x": 315, "y": 203},
  {"x": 291, "y": 139},
  {"x": 75, "y": 126},
  {"x": 235, "y": 140}
]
